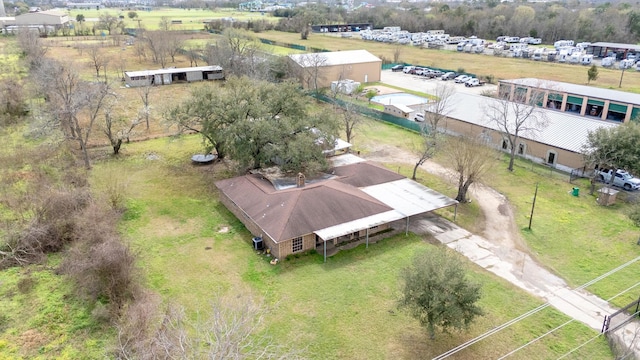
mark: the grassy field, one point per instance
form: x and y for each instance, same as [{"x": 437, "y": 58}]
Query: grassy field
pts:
[
  {"x": 326, "y": 308},
  {"x": 192, "y": 248},
  {"x": 191, "y": 19}
]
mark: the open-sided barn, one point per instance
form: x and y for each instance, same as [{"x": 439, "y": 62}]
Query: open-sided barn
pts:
[{"x": 172, "y": 75}]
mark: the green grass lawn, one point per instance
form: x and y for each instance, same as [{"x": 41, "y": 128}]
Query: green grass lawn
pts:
[{"x": 342, "y": 309}]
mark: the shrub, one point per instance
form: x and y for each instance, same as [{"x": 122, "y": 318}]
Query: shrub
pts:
[
  {"x": 100, "y": 264},
  {"x": 634, "y": 215}
]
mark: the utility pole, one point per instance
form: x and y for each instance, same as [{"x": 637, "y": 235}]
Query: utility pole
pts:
[
  {"x": 621, "y": 75},
  {"x": 533, "y": 206}
]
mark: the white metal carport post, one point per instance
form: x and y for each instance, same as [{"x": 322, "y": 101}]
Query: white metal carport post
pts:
[
  {"x": 325, "y": 250},
  {"x": 367, "y": 237}
]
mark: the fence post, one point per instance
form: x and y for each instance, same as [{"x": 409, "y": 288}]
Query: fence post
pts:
[{"x": 605, "y": 325}]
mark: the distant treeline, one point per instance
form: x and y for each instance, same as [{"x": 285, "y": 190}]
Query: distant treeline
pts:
[{"x": 551, "y": 21}]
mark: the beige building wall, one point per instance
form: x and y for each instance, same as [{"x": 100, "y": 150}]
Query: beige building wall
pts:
[
  {"x": 285, "y": 248},
  {"x": 360, "y": 72},
  {"x": 532, "y": 150}
]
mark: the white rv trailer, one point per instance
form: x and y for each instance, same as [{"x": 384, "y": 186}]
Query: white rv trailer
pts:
[
  {"x": 586, "y": 59},
  {"x": 562, "y": 43},
  {"x": 626, "y": 64},
  {"x": 574, "y": 58},
  {"x": 608, "y": 61}
]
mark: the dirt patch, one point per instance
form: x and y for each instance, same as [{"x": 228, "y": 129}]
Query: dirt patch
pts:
[
  {"x": 31, "y": 339},
  {"x": 161, "y": 226},
  {"x": 383, "y": 90},
  {"x": 224, "y": 230}
]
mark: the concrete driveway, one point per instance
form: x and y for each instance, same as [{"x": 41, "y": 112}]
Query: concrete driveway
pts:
[{"x": 422, "y": 84}]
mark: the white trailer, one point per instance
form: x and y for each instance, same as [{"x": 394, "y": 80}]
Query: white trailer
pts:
[
  {"x": 586, "y": 59},
  {"x": 574, "y": 58},
  {"x": 626, "y": 64},
  {"x": 608, "y": 61}
]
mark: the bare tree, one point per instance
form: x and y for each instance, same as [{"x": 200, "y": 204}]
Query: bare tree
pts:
[
  {"x": 347, "y": 111},
  {"x": 116, "y": 128},
  {"x": 397, "y": 51},
  {"x": 238, "y": 55},
  {"x": 32, "y": 47},
  {"x": 310, "y": 69},
  {"x": 165, "y": 23},
  {"x": 229, "y": 330},
  {"x": 175, "y": 44},
  {"x": 109, "y": 22},
  {"x": 68, "y": 99},
  {"x": 469, "y": 159},
  {"x": 435, "y": 114},
  {"x": 158, "y": 44},
  {"x": 517, "y": 115},
  {"x": 99, "y": 60},
  {"x": 144, "y": 92},
  {"x": 194, "y": 53}
]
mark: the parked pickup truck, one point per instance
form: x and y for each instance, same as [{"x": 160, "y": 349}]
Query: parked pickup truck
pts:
[
  {"x": 622, "y": 179},
  {"x": 474, "y": 82}
]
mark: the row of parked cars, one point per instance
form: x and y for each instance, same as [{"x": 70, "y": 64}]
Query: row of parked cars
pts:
[{"x": 469, "y": 81}]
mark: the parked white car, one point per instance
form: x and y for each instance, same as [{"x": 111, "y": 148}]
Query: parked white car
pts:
[{"x": 462, "y": 79}]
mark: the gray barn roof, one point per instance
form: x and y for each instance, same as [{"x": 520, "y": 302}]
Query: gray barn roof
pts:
[
  {"x": 582, "y": 90},
  {"x": 564, "y": 131},
  {"x": 616, "y": 45}
]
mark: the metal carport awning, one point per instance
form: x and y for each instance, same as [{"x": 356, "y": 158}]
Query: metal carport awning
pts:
[
  {"x": 406, "y": 197},
  {"x": 335, "y": 231}
]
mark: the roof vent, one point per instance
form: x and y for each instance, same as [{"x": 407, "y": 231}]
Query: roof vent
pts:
[{"x": 300, "y": 180}]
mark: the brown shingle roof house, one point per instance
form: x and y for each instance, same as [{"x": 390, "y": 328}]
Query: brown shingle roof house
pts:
[{"x": 356, "y": 199}]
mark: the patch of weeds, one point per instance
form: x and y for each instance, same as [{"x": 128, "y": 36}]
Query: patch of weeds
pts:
[
  {"x": 26, "y": 284},
  {"x": 133, "y": 210},
  {"x": 4, "y": 323}
]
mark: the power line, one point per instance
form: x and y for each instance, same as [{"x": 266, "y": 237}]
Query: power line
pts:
[
  {"x": 531, "y": 312},
  {"x": 566, "y": 323}
]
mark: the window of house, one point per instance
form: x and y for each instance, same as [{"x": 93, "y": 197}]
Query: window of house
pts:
[
  {"x": 505, "y": 145},
  {"x": 296, "y": 244},
  {"x": 521, "y": 149}
]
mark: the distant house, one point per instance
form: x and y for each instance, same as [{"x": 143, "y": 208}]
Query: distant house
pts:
[
  {"x": 322, "y": 68},
  {"x": 398, "y": 110},
  {"x": 47, "y": 18},
  {"x": 41, "y": 21},
  {"x": 173, "y": 75},
  {"x": 355, "y": 200},
  {"x": 558, "y": 145}
]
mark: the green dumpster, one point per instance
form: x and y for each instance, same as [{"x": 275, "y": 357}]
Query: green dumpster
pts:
[{"x": 576, "y": 191}]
